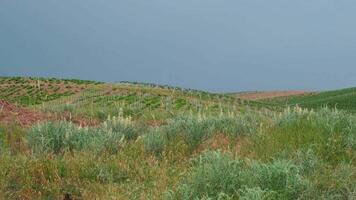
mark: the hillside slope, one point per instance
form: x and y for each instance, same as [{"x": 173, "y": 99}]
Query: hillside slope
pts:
[
  {"x": 94, "y": 100},
  {"x": 145, "y": 141},
  {"x": 344, "y": 99}
]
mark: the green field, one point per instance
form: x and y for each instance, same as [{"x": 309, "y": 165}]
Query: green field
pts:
[
  {"x": 162, "y": 142},
  {"x": 344, "y": 99}
]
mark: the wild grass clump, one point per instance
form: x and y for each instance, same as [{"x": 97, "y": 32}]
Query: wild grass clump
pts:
[
  {"x": 335, "y": 182},
  {"x": 196, "y": 129},
  {"x": 2, "y": 139},
  {"x": 215, "y": 175},
  {"x": 123, "y": 125},
  {"x": 11, "y": 139},
  {"x": 155, "y": 142},
  {"x": 246, "y": 124},
  {"x": 48, "y": 177},
  {"x": 60, "y": 137}
]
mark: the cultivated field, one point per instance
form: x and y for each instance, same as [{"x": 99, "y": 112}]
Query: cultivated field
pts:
[
  {"x": 91, "y": 140},
  {"x": 344, "y": 99}
]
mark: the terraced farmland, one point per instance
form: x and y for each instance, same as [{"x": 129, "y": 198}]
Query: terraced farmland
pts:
[
  {"x": 32, "y": 91},
  {"x": 142, "y": 102}
]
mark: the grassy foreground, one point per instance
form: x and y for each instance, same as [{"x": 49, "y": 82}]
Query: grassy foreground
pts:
[{"x": 161, "y": 143}]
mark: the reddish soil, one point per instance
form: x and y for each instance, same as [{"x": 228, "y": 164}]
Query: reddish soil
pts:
[
  {"x": 217, "y": 142},
  {"x": 270, "y": 95},
  {"x": 10, "y": 113}
]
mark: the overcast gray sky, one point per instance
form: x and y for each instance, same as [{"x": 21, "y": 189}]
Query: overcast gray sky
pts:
[{"x": 215, "y": 45}]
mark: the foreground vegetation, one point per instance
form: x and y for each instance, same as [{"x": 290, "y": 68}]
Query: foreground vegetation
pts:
[
  {"x": 297, "y": 154},
  {"x": 162, "y": 143}
]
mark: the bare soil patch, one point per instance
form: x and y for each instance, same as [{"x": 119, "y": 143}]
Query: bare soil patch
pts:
[
  {"x": 11, "y": 113},
  {"x": 25, "y": 117}
]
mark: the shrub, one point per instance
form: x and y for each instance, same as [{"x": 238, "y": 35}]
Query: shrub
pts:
[
  {"x": 195, "y": 129},
  {"x": 59, "y": 137},
  {"x": 154, "y": 142},
  {"x": 214, "y": 174},
  {"x": 123, "y": 125},
  {"x": 51, "y": 137},
  {"x": 281, "y": 177}
]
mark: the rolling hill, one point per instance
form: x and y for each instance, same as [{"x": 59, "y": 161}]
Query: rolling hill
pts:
[
  {"x": 97, "y": 101},
  {"x": 74, "y": 139}
]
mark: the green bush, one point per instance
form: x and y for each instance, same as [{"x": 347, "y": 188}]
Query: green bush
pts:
[
  {"x": 123, "y": 125},
  {"x": 281, "y": 177},
  {"x": 214, "y": 174},
  {"x": 154, "y": 142},
  {"x": 195, "y": 129},
  {"x": 59, "y": 137}
]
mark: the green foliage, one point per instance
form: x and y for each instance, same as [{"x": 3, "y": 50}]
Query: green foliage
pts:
[
  {"x": 329, "y": 133},
  {"x": 11, "y": 139},
  {"x": 214, "y": 174},
  {"x": 60, "y": 137},
  {"x": 194, "y": 130},
  {"x": 48, "y": 177},
  {"x": 155, "y": 142}
]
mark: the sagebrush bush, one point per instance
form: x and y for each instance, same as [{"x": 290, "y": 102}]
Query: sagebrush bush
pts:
[
  {"x": 123, "y": 125},
  {"x": 215, "y": 173},
  {"x": 155, "y": 142},
  {"x": 195, "y": 129},
  {"x": 281, "y": 177},
  {"x": 50, "y": 137},
  {"x": 59, "y": 137}
]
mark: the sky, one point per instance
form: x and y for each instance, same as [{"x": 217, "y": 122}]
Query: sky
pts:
[{"x": 213, "y": 45}]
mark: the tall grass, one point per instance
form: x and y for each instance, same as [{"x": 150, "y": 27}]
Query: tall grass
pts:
[
  {"x": 155, "y": 142},
  {"x": 194, "y": 130},
  {"x": 330, "y": 133}
]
